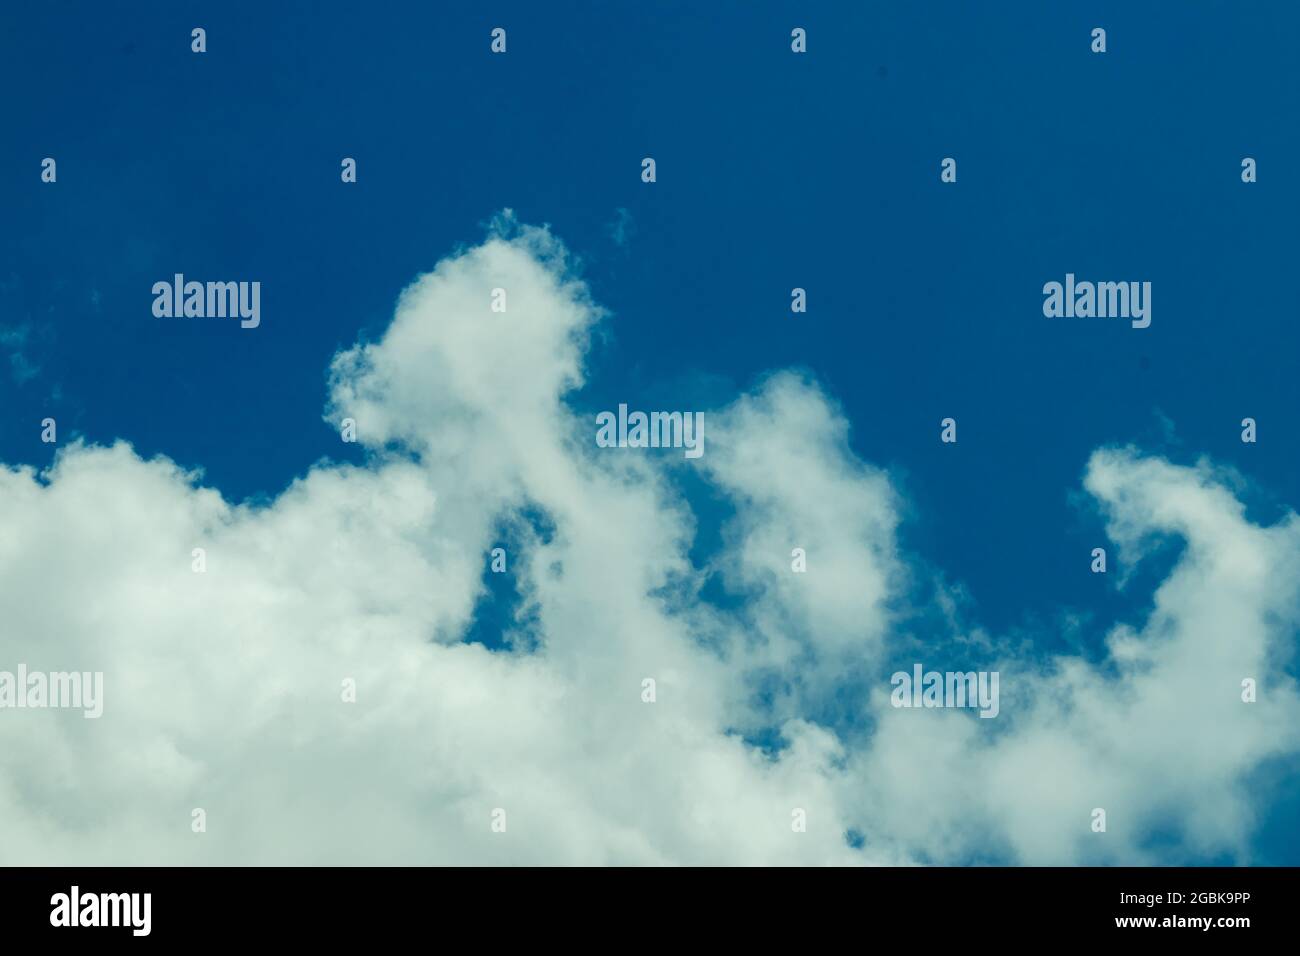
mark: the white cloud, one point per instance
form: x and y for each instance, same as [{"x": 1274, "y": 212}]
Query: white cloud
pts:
[
  {"x": 1159, "y": 738},
  {"x": 223, "y": 689}
]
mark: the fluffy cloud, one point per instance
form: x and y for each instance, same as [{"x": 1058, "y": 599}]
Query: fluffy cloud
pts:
[{"x": 222, "y": 689}]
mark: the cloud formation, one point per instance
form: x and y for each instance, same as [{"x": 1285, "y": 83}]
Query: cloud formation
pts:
[{"x": 222, "y": 688}]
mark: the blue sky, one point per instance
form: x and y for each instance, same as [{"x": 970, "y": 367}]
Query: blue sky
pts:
[{"x": 774, "y": 171}]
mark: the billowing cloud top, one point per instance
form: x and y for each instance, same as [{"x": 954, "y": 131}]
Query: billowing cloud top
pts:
[{"x": 222, "y": 689}]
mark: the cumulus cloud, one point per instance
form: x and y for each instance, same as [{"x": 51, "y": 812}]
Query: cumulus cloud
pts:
[{"x": 223, "y": 688}]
